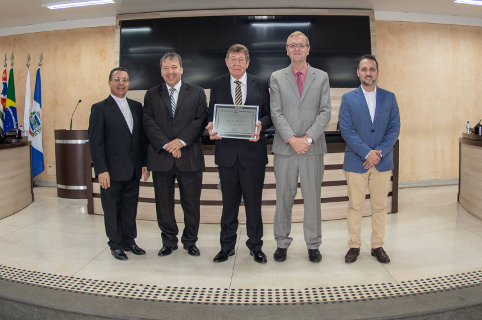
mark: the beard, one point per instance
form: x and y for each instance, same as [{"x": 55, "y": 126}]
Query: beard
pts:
[{"x": 369, "y": 84}]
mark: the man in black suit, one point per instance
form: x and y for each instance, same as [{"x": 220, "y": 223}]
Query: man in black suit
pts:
[
  {"x": 118, "y": 148},
  {"x": 174, "y": 119},
  {"x": 241, "y": 162}
]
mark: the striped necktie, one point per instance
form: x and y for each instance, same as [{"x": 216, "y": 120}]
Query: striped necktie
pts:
[
  {"x": 173, "y": 101},
  {"x": 237, "y": 93}
]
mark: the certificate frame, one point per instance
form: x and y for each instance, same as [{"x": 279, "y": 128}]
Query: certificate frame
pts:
[{"x": 235, "y": 121}]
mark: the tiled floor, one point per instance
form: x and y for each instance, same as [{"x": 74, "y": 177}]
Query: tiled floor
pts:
[{"x": 431, "y": 236}]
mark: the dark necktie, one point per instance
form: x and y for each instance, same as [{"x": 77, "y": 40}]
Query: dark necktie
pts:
[
  {"x": 237, "y": 93},
  {"x": 173, "y": 101},
  {"x": 299, "y": 82}
]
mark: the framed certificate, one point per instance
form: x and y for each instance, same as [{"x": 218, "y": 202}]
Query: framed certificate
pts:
[{"x": 235, "y": 121}]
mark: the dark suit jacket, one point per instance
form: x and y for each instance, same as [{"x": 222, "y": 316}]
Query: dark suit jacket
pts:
[
  {"x": 362, "y": 135},
  {"x": 113, "y": 147},
  {"x": 187, "y": 125},
  {"x": 250, "y": 154}
]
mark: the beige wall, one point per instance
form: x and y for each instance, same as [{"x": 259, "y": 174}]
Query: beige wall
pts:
[
  {"x": 435, "y": 71},
  {"x": 432, "y": 68},
  {"x": 76, "y": 66}
]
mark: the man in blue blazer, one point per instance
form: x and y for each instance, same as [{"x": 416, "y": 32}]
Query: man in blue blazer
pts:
[{"x": 370, "y": 124}]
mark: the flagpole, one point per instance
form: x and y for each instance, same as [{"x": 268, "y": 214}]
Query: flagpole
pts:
[
  {"x": 26, "y": 108},
  {"x": 3, "y": 97},
  {"x": 36, "y": 126}
]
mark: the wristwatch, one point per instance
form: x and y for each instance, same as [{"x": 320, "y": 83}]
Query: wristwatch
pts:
[{"x": 308, "y": 138}]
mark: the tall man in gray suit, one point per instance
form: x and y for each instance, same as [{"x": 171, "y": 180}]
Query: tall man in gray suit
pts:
[
  {"x": 370, "y": 125},
  {"x": 300, "y": 111}
]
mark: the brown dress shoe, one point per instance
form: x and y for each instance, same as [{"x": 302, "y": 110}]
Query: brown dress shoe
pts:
[
  {"x": 352, "y": 254},
  {"x": 381, "y": 255}
]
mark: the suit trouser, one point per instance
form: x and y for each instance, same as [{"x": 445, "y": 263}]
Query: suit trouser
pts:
[
  {"x": 119, "y": 203},
  {"x": 190, "y": 183},
  {"x": 378, "y": 184},
  {"x": 236, "y": 181},
  {"x": 286, "y": 169}
]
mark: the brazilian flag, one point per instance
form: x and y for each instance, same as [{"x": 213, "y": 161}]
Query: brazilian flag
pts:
[{"x": 11, "y": 106}]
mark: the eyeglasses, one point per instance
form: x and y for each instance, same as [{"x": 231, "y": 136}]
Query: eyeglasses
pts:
[
  {"x": 119, "y": 80},
  {"x": 294, "y": 45}
]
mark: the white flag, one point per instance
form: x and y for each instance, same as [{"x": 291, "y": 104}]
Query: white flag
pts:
[
  {"x": 26, "y": 109},
  {"x": 36, "y": 129}
]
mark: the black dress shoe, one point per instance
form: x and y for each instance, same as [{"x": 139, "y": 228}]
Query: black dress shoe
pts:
[
  {"x": 119, "y": 254},
  {"x": 280, "y": 254},
  {"x": 192, "y": 250},
  {"x": 165, "y": 251},
  {"x": 223, "y": 255},
  {"x": 381, "y": 255},
  {"x": 135, "y": 249},
  {"x": 259, "y": 256},
  {"x": 314, "y": 255},
  {"x": 352, "y": 254}
]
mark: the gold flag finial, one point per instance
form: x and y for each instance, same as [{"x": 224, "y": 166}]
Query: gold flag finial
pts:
[
  {"x": 5, "y": 60},
  {"x": 41, "y": 58},
  {"x": 11, "y": 59},
  {"x": 28, "y": 60}
]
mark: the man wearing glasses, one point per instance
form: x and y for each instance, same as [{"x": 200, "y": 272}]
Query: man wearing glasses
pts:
[
  {"x": 300, "y": 111},
  {"x": 118, "y": 148}
]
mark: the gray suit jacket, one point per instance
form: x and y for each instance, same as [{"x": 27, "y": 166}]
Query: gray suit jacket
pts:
[{"x": 292, "y": 115}]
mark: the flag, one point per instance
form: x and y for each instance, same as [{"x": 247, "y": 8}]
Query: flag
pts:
[
  {"x": 35, "y": 133},
  {"x": 3, "y": 99},
  {"x": 26, "y": 110},
  {"x": 11, "y": 107}
]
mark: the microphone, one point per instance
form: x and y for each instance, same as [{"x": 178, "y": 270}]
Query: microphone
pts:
[{"x": 73, "y": 113}]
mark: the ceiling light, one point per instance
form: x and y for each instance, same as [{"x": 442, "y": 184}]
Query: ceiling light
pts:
[
  {"x": 476, "y": 2},
  {"x": 77, "y": 3}
]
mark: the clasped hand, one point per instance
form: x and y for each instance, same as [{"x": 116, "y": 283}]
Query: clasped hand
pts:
[
  {"x": 174, "y": 147},
  {"x": 300, "y": 145},
  {"x": 372, "y": 159}
]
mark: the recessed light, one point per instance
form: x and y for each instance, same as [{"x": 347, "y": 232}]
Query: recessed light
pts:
[
  {"x": 73, "y": 4},
  {"x": 475, "y": 2}
]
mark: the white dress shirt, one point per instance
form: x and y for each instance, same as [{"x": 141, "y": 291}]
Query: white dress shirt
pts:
[
  {"x": 126, "y": 111},
  {"x": 176, "y": 96},
  {"x": 371, "y": 99},
  {"x": 176, "y": 93},
  {"x": 243, "y": 80}
]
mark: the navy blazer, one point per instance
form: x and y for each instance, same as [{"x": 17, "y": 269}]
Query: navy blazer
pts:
[
  {"x": 187, "y": 125},
  {"x": 362, "y": 135},
  {"x": 250, "y": 154},
  {"x": 113, "y": 147}
]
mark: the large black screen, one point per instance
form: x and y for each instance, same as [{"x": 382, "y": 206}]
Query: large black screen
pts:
[{"x": 336, "y": 42}]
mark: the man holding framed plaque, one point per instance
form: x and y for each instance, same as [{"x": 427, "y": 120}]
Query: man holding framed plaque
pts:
[
  {"x": 300, "y": 109},
  {"x": 240, "y": 155}
]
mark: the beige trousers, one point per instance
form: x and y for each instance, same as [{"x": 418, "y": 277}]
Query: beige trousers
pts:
[{"x": 378, "y": 184}]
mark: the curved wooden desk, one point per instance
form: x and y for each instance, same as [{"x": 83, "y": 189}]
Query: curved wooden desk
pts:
[
  {"x": 470, "y": 174},
  {"x": 16, "y": 181}
]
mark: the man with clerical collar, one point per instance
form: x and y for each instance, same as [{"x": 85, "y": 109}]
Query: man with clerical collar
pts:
[{"x": 118, "y": 148}]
